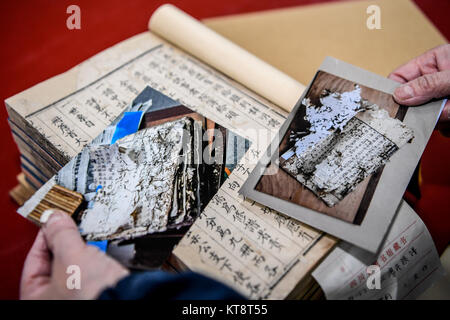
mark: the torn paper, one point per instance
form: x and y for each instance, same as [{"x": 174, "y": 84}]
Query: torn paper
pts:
[
  {"x": 408, "y": 262},
  {"x": 348, "y": 139}
]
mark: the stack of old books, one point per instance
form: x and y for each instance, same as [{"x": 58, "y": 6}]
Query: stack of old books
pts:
[{"x": 39, "y": 159}]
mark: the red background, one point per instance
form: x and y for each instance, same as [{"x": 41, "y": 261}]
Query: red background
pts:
[{"x": 36, "y": 45}]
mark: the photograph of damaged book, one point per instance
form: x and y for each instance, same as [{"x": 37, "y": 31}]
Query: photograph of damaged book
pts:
[
  {"x": 335, "y": 142},
  {"x": 343, "y": 159},
  {"x": 151, "y": 172}
]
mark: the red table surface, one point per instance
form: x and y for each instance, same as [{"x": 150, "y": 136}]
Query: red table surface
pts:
[{"x": 36, "y": 45}]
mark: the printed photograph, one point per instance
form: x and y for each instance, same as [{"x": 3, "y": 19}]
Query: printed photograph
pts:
[{"x": 334, "y": 150}]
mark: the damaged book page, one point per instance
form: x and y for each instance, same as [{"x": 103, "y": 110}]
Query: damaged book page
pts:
[
  {"x": 347, "y": 138},
  {"x": 343, "y": 158}
]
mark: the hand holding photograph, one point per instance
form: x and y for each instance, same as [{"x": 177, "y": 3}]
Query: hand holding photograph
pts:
[
  {"x": 328, "y": 165},
  {"x": 149, "y": 174}
]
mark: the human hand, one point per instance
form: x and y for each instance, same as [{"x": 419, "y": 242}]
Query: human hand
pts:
[
  {"x": 59, "y": 245},
  {"x": 424, "y": 78}
]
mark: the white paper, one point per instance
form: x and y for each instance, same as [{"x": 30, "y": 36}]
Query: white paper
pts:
[{"x": 408, "y": 262}]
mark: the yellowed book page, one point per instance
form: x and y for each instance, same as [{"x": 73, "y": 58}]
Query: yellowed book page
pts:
[
  {"x": 74, "y": 120},
  {"x": 46, "y": 93},
  {"x": 254, "y": 249}
]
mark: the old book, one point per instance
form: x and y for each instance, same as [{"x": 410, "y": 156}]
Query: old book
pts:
[{"x": 259, "y": 252}]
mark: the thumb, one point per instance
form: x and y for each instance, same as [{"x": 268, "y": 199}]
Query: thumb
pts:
[
  {"x": 424, "y": 88},
  {"x": 61, "y": 233}
]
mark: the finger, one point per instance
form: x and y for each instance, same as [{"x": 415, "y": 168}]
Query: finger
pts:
[
  {"x": 397, "y": 77},
  {"x": 423, "y": 89},
  {"x": 61, "y": 234},
  {"x": 37, "y": 267},
  {"x": 434, "y": 60},
  {"x": 406, "y": 72}
]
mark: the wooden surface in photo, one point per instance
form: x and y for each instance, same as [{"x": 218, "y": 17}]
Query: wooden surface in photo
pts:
[{"x": 282, "y": 185}]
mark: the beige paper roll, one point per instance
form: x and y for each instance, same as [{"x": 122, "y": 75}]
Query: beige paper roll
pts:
[{"x": 192, "y": 36}]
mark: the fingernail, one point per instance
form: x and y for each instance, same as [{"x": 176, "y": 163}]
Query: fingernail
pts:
[
  {"x": 404, "y": 92},
  {"x": 45, "y": 216}
]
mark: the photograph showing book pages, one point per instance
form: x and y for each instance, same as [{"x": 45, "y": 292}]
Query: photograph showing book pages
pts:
[
  {"x": 341, "y": 136},
  {"x": 328, "y": 166},
  {"x": 339, "y": 140},
  {"x": 151, "y": 171}
]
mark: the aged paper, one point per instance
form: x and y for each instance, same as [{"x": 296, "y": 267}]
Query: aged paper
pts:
[
  {"x": 70, "y": 123},
  {"x": 225, "y": 56},
  {"x": 243, "y": 67},
  {"x": 252, "y": 248},
  {"x": 408, "y": 262}
]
